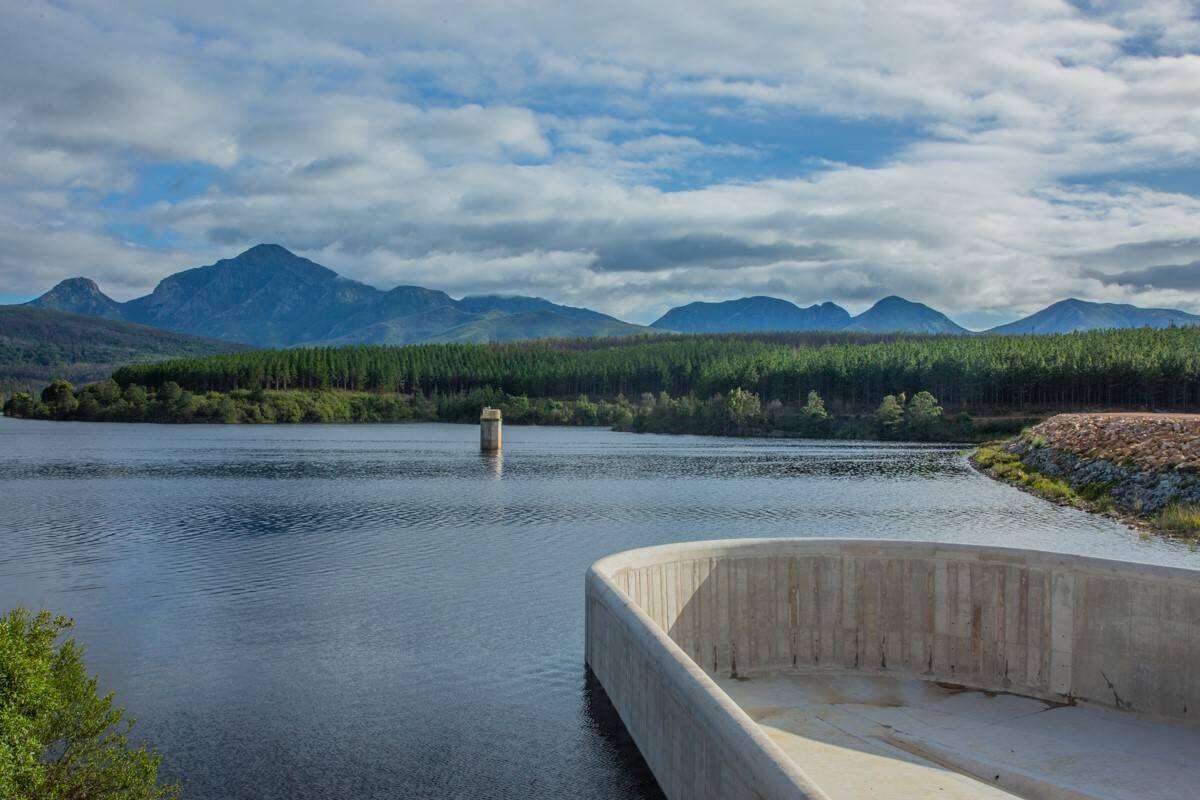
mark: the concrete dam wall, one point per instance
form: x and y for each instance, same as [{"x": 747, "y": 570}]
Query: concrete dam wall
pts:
[{"x": 666, "y": 624}]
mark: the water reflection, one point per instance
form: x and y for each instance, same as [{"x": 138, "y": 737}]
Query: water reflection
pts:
[
  {"x": 493, "y": 462},
  {"x": 614, "y": 744}
]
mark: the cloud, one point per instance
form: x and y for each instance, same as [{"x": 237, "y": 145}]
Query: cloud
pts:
[
  {"x": 704, "y": 250},
  {"x": 1185, "y": 277},
  {"x": 612, "y": 154},
  {"x": 1142, "y": 253}
]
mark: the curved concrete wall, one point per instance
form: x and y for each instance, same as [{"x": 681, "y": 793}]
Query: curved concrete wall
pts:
[{"x": 1053, "y": 626}]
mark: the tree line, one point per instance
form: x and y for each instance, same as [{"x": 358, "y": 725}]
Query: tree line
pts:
[
  {"x": 740, "y": 413},
  {"x": 1138, "y": 368}
]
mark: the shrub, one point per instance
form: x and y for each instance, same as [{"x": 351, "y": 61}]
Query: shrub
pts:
[
  {"x": 1181, "y": 518},
  {"x": 60, "y": 739},
  {"x": 1051, "y": 488},
  {"x": 986, "y": 457},
  {"x": 1095, "y": 492},
  {"x": 1010, "y": 471}
]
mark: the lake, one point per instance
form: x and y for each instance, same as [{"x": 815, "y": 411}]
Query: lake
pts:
[{"x": 382, "y": 611}]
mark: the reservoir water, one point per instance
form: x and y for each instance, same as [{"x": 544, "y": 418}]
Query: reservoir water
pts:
[{"x": 384, "y": 612}]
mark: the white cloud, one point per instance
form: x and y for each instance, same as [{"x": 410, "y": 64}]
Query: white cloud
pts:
[{"x": 476, "y": 148}]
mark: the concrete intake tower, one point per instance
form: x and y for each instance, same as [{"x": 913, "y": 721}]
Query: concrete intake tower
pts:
[{"x": 490, "y": 433}]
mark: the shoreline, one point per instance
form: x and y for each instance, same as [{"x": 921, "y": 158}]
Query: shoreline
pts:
[
  {"x": 1140, "y": 469},
  {"x": 738, "y": 414}
]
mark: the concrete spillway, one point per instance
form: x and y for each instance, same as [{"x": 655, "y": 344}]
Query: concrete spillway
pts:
[{"x": 852, "y": 668}]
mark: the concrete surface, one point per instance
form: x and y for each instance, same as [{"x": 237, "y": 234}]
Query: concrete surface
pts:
[
  {"x": 490, "y": 429},
  {"x": 884, "y": 737},
  {"x": 665, "y": 624}
]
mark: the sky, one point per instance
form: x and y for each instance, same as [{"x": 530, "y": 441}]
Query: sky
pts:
[{"x": 986, "y": 158}]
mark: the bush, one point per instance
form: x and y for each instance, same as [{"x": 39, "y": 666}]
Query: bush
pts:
[
  {"x": 1051, "y": 488},
  {"x": 60, "y": 739},
  {"x": 1097, "y": 492},
  {"x": 987, "y": 457},
  {"x": 1010, "y": 471},
  {"x": 1181, "y": 518}
]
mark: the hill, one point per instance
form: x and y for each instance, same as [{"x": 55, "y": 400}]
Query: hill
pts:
[
  {"x": 1080, "y": 315},
  {"x": 897, "y": 314},
  {"x": 752, "y": 314},
  {"x": 38, "y": 345},
  {"x": 270, "y": 297},
  {"x": 760, "y": 314},
  {"x": 79, "y": 296}
]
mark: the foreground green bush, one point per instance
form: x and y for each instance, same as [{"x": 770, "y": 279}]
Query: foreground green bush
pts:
[{"x": 60, "y": 739}]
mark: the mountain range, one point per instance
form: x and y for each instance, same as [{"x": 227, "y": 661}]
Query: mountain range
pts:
[
  {"x": 1080, "y": 315},
  {"x": 270, "y": 297},
  {"x": 895, "y": 314}
]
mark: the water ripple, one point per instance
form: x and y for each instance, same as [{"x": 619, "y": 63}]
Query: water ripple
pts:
[{"x": 379, "y": 611}]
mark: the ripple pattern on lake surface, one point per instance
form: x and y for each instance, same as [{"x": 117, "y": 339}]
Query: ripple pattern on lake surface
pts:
[{"x": 381, "y": 611}]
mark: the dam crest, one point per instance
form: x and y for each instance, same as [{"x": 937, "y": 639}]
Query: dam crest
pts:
[{"x": 823, "y": 668}]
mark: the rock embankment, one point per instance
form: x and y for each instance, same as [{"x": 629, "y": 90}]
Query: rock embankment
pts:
[
  {"x": 1144, "y": 462},
  {"x": 1155, "y": 442}
]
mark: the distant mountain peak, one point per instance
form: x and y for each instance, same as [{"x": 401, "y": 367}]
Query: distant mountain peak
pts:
[
  {"x": 1073, "y": 314},
  {"x": 79, "y": 296},
  {"x": 266, "y": 249},
  {"x": 894, "y": 314},
  {"x": 748, "y": 314},
  {"x": 80, "y": 283},
  {"x": 269, "y": 296}
]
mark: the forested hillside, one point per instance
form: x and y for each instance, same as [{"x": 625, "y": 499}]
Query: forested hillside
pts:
[
  {"x": 38, "y": 345},
  {"x": 1120, "y": 369}
]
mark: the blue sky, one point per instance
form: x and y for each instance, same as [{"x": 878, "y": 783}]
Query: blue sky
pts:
[{"x": 987, "y": 158}]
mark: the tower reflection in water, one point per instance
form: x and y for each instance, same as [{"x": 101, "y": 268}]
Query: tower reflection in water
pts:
[{"x": 493, "y": 463}]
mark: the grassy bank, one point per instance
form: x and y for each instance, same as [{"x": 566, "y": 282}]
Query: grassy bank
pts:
[{"x": 1181, "y": 520}]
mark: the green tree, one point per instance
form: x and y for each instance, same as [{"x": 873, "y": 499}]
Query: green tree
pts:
[
  {"x": 744, "y": 407},
  {"x": 21, "y": 404},
  {"x": 814, "y": 408},
  {"x": 923, "y": 413},
  {"x": 169, "y": 393},
  {"x": 59, "y": 398},
  {"x": 890, "y": 414},
  {"x": 59, "y": 738}
]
